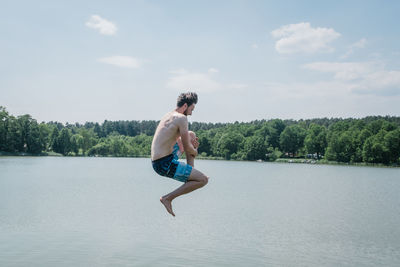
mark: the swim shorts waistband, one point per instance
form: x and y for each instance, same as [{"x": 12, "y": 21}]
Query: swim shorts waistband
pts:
[{"x": 161, "y": 159}]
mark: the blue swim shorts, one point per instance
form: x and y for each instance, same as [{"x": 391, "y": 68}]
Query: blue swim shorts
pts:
[{"x": 171, "y": 167}]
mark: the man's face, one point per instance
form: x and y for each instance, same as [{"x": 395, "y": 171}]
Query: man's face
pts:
[{"x": 189, "y": 110}]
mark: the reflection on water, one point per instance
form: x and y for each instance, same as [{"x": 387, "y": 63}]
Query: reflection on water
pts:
[{"x": 106, "y": 212}]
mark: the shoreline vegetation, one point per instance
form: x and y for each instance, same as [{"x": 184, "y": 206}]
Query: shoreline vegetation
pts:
[
  {"x": 281, "y": 160},
  {"x": 370, "y": 141}
]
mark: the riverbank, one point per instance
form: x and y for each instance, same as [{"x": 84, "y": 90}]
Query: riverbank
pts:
[
  {"x": 281, "y": 160},
  {"x": 327, "y": 162},
  {"x": 24, "y": 154}
]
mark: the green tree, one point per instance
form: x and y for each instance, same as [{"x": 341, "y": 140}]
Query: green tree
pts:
[
  {"x": 273, "y": 154},
  {"x": 4, "y": 118},
  {"x": 64, "y": 142},
  {"x": 101, "y": 148},
  {"x": 315, "y": 140},
  {"x": 374, "y": 150},
  {"x": 76, "y": 143},
  {"x": 254, "y": 148},
  {"x": 24, "y": 123},
  {"x": 292, "y": 139},
  {"x": 117, "y": 146},
  {"x": 204, "y": 143},
  {"x": 340, "y": 147},
  {"x": 392, "y": 144},
  {"x": 359, "y": 138},
  {"x": 98, "y": 130},
  {"x": 45, "y": 131},
  {"x": 229, "y": 143},
  {"x": 34, "y": 141},
  {"x": 143, "y": 141},
  {"x": 380, "y": 124},
  {"x": 54, "y": 143},
  {"x": 275, "y": 129},
  {"x": 13, "y": 136},
  {"x": 89, "y": 138}
]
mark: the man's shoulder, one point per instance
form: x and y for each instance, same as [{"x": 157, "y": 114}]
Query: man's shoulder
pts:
[{"x": 180, "y": 118}]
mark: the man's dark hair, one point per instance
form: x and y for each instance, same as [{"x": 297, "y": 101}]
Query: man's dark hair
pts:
[{"x": 189, "y": 98}]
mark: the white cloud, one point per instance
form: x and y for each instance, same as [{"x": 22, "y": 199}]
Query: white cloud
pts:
[
  {"x": 313, "y": 90},
  {"x": 359, "y": 44},
  {"x": 361, "y": 77},
  {"x": 102, "y": 25},
  {"x": 239, "y": 86},
  {"x": 182, "y": 80},
  {"x": 302, "y": 38},
  {"x": 178, "y": 71},
  {"x": 254, "y": 46},
  {"x": 343, "y": 70},
  {"x": 381, "y": 83},
  {"x": 213, "y": 70},
  {"x": 332, "y": 98},
  {"x": 121, "y": 61}
]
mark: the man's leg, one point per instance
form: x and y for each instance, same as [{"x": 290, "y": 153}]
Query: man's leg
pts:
[
  {"x": 196, "y": 180},
  {"x": 190, "y": 160}
]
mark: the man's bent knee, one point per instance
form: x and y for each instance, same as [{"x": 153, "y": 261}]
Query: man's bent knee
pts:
[
  {"x": 204, "y": 180},
  {"x": 198, "y": 177}
]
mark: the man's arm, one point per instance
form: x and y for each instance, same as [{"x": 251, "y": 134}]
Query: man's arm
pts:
[{"x": 184, "y": 133}]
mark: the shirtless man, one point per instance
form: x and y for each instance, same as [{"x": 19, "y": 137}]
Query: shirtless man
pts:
[{"x": 174, "y": 125}]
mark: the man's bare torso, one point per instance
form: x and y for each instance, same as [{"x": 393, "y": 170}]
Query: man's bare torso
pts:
[{"x": 166, "y": 135}]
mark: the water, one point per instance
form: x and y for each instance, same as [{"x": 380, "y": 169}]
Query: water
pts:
[{"x": 106, "y": 212}]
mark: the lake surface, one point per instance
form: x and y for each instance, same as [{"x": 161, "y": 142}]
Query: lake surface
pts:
[{"x": 106, "y": 212}]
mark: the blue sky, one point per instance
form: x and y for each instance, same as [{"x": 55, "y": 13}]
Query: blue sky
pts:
[{"x": 78, "y": 61}]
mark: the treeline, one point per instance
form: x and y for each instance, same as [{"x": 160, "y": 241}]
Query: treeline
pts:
[
  {"x": 373, "y": 139},
  {"x": 23, "y": 134}
]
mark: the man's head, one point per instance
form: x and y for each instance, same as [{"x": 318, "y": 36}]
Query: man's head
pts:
[{"x": 186, "y": 103}]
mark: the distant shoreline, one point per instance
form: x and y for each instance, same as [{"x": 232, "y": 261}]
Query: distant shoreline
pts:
[{"x": 281, "y": 160}]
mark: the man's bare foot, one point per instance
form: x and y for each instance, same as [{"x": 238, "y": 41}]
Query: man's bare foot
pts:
[{"x": 167, "y": 204}]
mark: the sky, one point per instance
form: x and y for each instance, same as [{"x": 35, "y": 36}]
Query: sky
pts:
[{"x": 78, "y": 61}]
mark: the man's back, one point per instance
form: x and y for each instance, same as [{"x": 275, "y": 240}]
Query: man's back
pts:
[{"x": 166, "y": 134}]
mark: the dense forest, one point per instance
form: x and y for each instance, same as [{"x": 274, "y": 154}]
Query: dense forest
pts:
[{"x": 373, "y": 139}]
